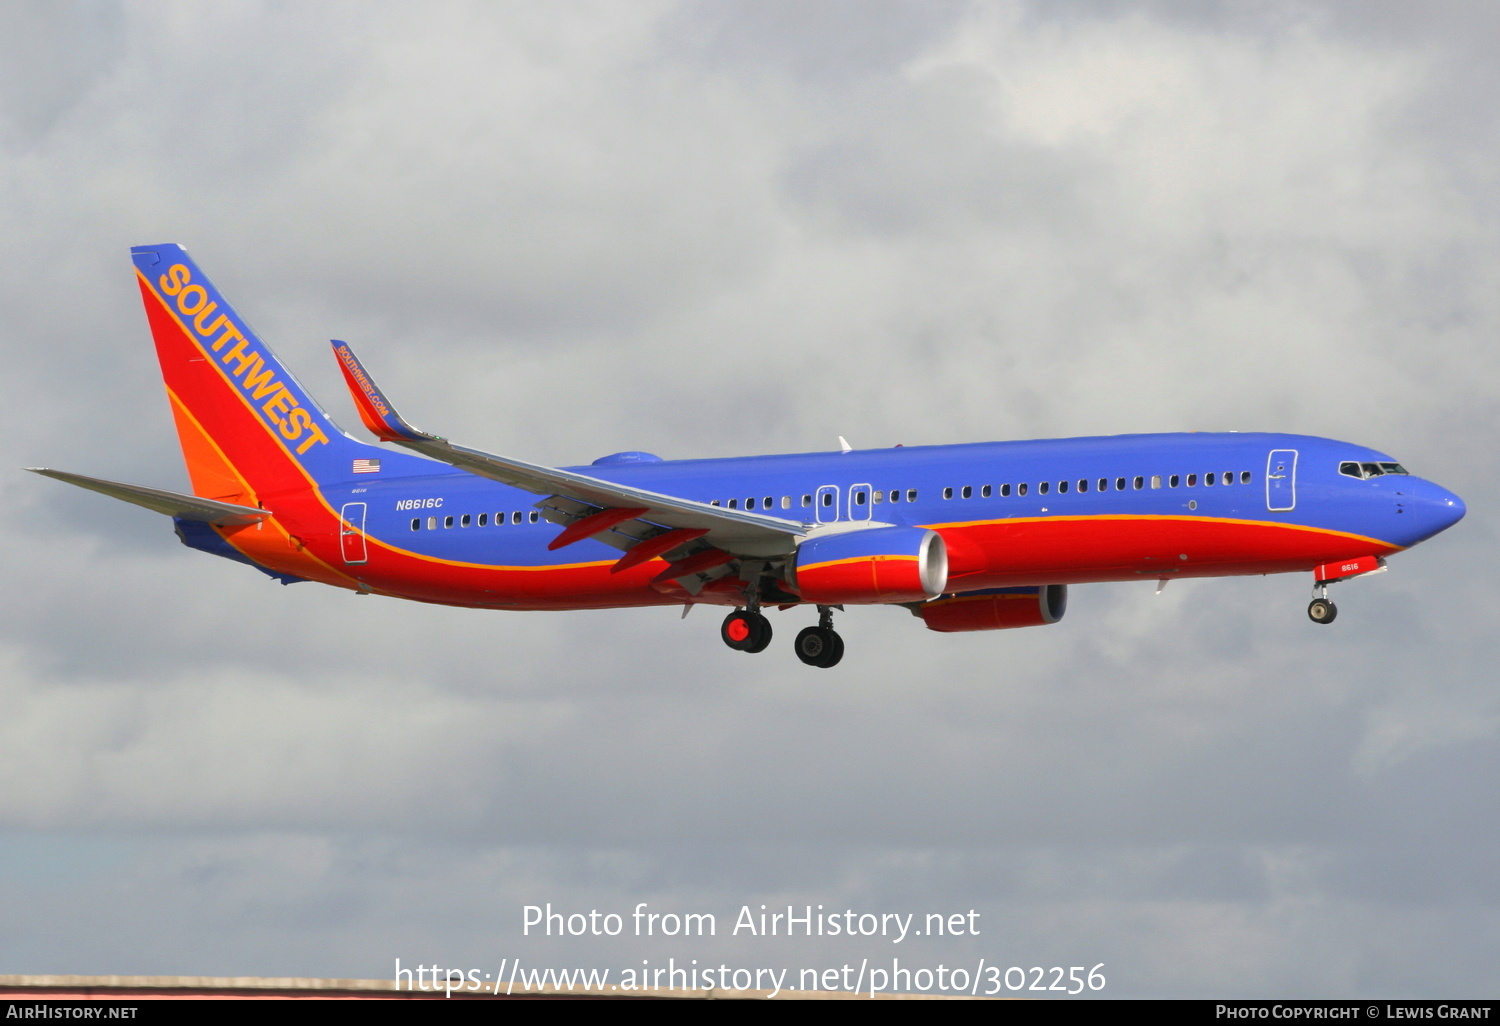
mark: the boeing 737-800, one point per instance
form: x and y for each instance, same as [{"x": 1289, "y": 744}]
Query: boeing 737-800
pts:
[{"x": 968, "y": 537}]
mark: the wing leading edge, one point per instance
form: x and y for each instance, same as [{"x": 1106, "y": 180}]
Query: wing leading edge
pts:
[{"x": 572, "y": 499}]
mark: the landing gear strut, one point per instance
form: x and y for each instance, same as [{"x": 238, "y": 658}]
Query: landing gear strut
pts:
[
  {"x": 1320, "y": 610},
  {"x": 746, "y": 630},
  {"x": 820, "y": 646}
]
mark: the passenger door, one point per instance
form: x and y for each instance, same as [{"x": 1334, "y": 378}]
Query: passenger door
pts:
[
  {"x": 352, "y": 532},
  {"x": 1281, "y": 480}
]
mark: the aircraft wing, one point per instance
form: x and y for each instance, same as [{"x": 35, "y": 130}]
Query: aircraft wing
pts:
[
  {"x": 574, "y": 496},
  {"x": 173, "y": 504}
]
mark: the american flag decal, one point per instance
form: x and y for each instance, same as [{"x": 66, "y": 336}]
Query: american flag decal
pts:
[{"x": 367, "y": 466}]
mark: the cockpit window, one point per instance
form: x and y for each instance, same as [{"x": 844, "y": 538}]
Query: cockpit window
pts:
[{"x": 1369, "y": 470}]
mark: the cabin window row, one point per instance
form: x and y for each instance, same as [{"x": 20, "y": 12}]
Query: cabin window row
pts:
[
  {"x": 483, "y": 520},
  {"x": 860, "y": 497},
  {"x": 1103, "y": 484}
]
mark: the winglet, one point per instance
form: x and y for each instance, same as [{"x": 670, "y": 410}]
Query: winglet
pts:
[{"x": 374, "y": 409}]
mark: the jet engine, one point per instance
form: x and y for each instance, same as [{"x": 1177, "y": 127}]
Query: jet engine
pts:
[
  {"x": 876, "y": 565},
  {"x": 995, "y": 609}
]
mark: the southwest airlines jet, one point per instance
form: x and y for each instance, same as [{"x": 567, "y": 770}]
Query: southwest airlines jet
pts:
[{"x": 968, "y": 537}]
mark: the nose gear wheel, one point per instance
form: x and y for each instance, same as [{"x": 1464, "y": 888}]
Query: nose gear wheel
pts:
[{"x": 1320, "y": 610}]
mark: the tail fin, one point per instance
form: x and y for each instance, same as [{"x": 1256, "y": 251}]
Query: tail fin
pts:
[{"x": 247, "y": 428}]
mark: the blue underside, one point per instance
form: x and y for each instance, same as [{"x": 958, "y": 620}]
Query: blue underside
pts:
[{"x": 197, "y": 535}]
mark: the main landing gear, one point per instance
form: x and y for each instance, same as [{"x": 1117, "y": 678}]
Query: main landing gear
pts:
[
  {"x": 748, "y": 630},
  {"x": 821, "y": 645}
]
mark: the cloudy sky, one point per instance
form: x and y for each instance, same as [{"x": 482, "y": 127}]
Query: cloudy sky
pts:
[{"x": 717, "y": 228}]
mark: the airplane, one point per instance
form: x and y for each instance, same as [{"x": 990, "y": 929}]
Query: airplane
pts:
[{"x": 970, "y": 537}]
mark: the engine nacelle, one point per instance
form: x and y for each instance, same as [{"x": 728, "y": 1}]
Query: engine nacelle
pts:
[
  {"x": 863, "y": 567},
  {"x": 996, "y": 609}
]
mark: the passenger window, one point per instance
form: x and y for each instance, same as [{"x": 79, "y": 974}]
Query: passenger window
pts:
[
  {"x": 515, "y": 517},
  {"x": 1192, "y": 480},
  {"x": 1021, "y": 488},
  {"x": 985, "y": 492},
  {"x": 484, "y": 518},
  {"x": 968, "y": 492},
  {"x": 895, "y": 495},
  {"x": 534, "y": 516},
  {"x": 750, "y": 503},
  {"x": 1155, "y": 480},
  {"x": 1227, "y": 478},
  {"x": 859, "y": 497},
  {"x": 1083, "y": 485},
  {"x": 1208, "y": 480},
  {"x": 1140, "y": 483},
  {"x": 828, "y": 498},
  {"x": 786, "y": 502},
  {"x": 713, "y": 502},
  {"x": 807, "y": 500},
  {"x": 770, "y": 501},
  {"x": 1173, "y": 481},
  {"x": 1005, "y": 491},
  {"x": 464, "y": 521},
  {"x": 416, "y": 524},
  {"x": 432, "y": 523},
  {"x": 911, "y": 495},
  {"x": 447, "y": 522},
  {"x": 877, "y": 497},
  {"x": 947, "y": 493},
  {"x": 1042, "y": 488},
  {"x": 1104, "y": 484},
  {"x": 1062, "y": 487},
  {"x": 1120, "y": 484},
  {"x": 734, "y": 503},
  {"x": 1244, "y": 477}
]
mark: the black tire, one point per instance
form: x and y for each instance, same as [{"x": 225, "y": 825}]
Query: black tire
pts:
[
  {"x": 812, "y": 645},
  {"x": 835, "y": 651},
  {"x": 819, "y": 646},
  {"x": 760, "y": 633},
  {"x": 738, "y": 631},
  {"x": 1321, "y": 611}
]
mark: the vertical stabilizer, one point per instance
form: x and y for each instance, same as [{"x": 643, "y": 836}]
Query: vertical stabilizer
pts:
[{"x": 248, "y": 429}]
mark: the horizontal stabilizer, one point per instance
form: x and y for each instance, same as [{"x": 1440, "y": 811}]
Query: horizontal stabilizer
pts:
[{"x": 173, "y": 504}]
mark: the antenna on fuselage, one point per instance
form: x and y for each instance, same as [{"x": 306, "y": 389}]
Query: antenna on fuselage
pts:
[{"x": 844, "y": 446}]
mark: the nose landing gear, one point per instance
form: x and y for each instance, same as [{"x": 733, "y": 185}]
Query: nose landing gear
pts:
[
  {"x": 1320, "y": 609},
  {"x": 820, "y": 646}
]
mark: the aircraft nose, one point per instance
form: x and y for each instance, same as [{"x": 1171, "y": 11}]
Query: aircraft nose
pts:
[
  {"x": 1440, "y": 508},
  {"x": 1449, "y": 508}
]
